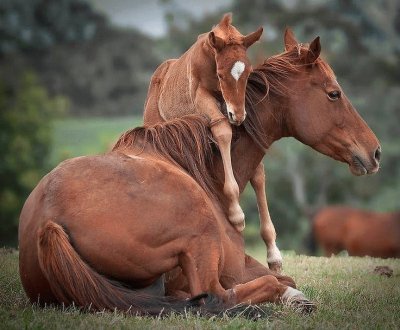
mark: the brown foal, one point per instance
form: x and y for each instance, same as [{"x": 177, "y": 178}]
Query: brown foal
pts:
[{"x": 215, "y": 66}]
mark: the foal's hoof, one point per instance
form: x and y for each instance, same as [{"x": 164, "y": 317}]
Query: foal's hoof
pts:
[
  {"x": 275, "y": 266},
  {"x": 236, "y": 218}
]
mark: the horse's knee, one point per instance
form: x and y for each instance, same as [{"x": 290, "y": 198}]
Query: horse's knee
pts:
[{"x": 287, "y": 280}]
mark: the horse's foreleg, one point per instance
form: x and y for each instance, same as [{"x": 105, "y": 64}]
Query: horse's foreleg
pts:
[
  {"x": 265, "y": 286},
  {"x": 267, "y": 229},
  {"x": 222, "y": 133}
]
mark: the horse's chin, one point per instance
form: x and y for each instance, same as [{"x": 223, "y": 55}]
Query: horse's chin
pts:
[
  {"x": 357, "y": 167},
  {"x": 357, "y": 170}
]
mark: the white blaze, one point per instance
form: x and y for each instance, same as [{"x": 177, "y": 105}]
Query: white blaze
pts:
[{"x": 237, "y": 70}]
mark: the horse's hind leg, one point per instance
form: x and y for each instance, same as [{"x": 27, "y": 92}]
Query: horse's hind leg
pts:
[{"x": 267, "y": 229}]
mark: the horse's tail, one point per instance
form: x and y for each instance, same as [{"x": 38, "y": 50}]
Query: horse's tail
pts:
[{"x": 72, "y": 281}]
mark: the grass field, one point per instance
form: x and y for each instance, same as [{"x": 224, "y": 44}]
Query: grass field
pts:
[
  {"x": 87, "y": 136},
  {"x": 347, "y": 292}
]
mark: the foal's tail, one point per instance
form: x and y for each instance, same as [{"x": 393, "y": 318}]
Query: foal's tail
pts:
[{"x": 72, "y": 281}]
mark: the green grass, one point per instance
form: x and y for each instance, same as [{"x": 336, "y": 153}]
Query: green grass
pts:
[
  {"x": 348, "y": 296},
  {"x": 87, "y": 136}
]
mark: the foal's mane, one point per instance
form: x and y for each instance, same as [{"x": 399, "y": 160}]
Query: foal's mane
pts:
[
  {"x": 268, "y": 80},
  {"x": 185, "y": 142}
]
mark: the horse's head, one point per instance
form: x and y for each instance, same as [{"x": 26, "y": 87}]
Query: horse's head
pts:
[
  {"x": 233, "y": 66},
  {"x": 320, "y": 115}
]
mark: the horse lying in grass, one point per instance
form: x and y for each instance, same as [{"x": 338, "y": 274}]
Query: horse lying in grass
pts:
[
  {"x": 360, "y": 232},
  {"x": 294, "y": 94},
  {"x": 98, "y": 230},
  {"x": 216, "y": 65}
]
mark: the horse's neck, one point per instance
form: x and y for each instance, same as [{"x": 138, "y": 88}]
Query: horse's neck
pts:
[{"x": 246, "y": 154}]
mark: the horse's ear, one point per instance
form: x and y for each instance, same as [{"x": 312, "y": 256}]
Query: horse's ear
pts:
[
  {"x": 226, "y": 20},
  {"x": 252, "y": 37},
  {"x": 289, "y": 39},
  {"x": 313, "y": 51},
  {"x": 216, "y": 42}
]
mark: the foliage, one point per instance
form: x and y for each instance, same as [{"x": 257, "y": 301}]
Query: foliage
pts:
[
  {"x": 26, "y": 112},
  {"x": 347, "y": 293},
  {"x": 39, "y": 24}
]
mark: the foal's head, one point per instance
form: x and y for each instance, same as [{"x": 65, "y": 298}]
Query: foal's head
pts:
[
  {"x": 233, "y": 66},
  {"x": 319, "y": 113}
]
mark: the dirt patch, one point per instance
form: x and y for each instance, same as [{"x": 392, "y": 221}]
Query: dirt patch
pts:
[{"x": 383, "y": 271}]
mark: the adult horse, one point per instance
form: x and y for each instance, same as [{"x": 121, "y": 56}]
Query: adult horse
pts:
[
  {"x": 100, "y": 231},
  {"x": 135, "y": 213},
  {"x": 216, "y": 65},
  {"x": 360, "y": 232},
  {"x": 294, "y": 94}
]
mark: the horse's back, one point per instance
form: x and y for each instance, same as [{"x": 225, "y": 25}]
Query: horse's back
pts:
[
  {"x": 360, "y": 232},
  {"x": 125, "y": 216},
  {"x": 171, "y": 91},
  {"x": 373, "y": 234},
  {"x": 329, "y": 229},
  {"x": 152, "y": 114}
]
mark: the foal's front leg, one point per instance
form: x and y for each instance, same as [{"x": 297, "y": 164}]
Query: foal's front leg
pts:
[
  {"x": 222, "y": 133},
  {"x": 267, "y": 229}
]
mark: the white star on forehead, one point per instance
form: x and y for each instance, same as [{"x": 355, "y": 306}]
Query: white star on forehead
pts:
[{"x": 237, "y": 70}]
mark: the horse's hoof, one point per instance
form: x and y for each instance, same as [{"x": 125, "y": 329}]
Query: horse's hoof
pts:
[
  {"x": 275, "y": 266},
  {"x": 236, "y": 218},
  {"x": 240, "y": 227},
  {"x": 303, "y": 306},
  {"x": 296, "y": 300}
]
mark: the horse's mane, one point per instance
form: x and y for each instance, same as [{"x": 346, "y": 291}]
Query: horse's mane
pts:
[
  {"x": 185, "y": 142},
  {"x": 268, "y": 81}
]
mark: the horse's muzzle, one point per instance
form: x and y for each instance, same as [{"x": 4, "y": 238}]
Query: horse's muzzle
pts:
[
  {"x": 362, "y": 165},
  {"x": 236, "y": 120}
]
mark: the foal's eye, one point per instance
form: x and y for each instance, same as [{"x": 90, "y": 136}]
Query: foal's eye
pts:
[{"x": 334, "y": 95}]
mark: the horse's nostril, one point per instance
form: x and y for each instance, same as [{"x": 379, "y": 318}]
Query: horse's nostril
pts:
[
  {"x": 378, "y": 154},
  {"x": 230, "y": 115}
]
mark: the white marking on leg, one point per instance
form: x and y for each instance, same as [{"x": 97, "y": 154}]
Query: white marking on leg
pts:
[
  {"x": 291, "y": 294},
  {"x": 237, "y": 70},
  {"x": 273, "y": 254}
]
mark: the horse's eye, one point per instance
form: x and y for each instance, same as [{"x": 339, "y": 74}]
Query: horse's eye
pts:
[{"x": 334, "y": 95}]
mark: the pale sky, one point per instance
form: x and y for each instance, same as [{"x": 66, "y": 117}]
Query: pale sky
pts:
[{"x": 148, "y": 15}]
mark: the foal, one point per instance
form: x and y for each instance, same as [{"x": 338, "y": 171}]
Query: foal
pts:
[{"x": 216, "y": 66}]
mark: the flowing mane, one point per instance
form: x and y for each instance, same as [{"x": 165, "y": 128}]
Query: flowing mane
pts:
[
  {"x": 185, "y": 142},
  {"x": 268, "y": 80}
]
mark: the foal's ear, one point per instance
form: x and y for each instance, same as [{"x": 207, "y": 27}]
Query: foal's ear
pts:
[
  {"x": 313, "y": 51},
  {"x": 216, "y": 42},
  {"x": 289, "y": 39},
  {"x": 226, "y": 20},
  {"x": 252, "y": 37}
]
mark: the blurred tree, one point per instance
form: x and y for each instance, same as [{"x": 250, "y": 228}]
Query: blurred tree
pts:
[
  {"x": 39, "y": 24},
  {"x": 26, "y": 112}
]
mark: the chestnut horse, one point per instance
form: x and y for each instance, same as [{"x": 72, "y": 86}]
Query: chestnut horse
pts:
[
  {"x": 295, "y": 94},
  {"x": 216, "y": 65},
  {"x": 137, "y": 212},
  {"x": 360, "y": 232},
  {"x": 100, "y": 231}
]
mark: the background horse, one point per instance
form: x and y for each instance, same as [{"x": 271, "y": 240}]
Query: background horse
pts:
[
  {"x": 295, "y": 94},
  {"x": 360, "y": 232},
  {"x": 99, "y": 229},
  {"x": 215, "y": 66}
]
